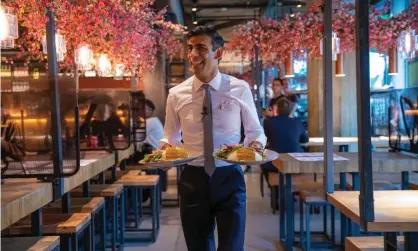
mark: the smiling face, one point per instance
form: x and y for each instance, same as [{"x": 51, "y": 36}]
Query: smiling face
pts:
[
  {"x": 203, "y": 59},
  {"x": 277, "y": 87}
]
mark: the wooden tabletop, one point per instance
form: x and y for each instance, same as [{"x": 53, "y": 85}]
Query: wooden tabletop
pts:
[
  {"x": 21, "y": 197},
  {"x": 395, "y": 211},
  {"x": 338, "y": 141},
  {"x": 382, "y": 141},
  {"x": 91, "y": 165},
  {"x": 370, "y": 243},
  {"x": 381, "y": 161}
]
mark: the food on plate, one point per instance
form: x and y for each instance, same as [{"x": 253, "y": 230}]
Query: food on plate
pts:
[
  {"x": 240, "y": 153},
  {"x": 173, "y": 153},
  {"x": 170, "y": 154}
]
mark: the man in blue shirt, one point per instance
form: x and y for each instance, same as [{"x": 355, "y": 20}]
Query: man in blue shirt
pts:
[{"x": 284, "y": 134}]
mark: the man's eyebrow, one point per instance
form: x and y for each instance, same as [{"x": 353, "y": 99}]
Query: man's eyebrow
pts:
[{"x": 200, "y": 44}]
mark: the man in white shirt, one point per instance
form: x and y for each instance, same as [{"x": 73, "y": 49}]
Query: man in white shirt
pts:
[{"x": 206, "y": 111}]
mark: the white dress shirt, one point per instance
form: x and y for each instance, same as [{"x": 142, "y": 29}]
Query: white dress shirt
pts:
[
  {"x": 154, "y": 131},
  {"x": 232, "y": 101}
]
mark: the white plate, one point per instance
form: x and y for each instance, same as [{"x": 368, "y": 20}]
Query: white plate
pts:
[
  {"x": 270, "y": 156},
  {"x": 169, "y": 163}
]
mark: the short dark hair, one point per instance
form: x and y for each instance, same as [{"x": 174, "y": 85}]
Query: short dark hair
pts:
[
  {"x": 284, "y": 106},
  {"x": 150, "y": 104},
  {"x": 217, "y": 40},
  {"x": 278, "y": 79}
]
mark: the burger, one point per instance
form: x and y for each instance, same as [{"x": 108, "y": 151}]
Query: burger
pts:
[
  {"x": 174, "y": 153},
  {"x": 169, "y": 154},
  {"x": 240, "y": 153}
]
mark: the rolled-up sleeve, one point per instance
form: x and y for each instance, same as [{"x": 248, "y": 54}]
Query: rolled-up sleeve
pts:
[
  {"x": 252, "y": 127},
  {"x": 172, "y": 130}
]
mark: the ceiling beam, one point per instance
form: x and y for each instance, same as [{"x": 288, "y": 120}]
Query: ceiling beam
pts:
[
  {"x": 229, "y": 24},
  {"x": 229, "y": 6}
]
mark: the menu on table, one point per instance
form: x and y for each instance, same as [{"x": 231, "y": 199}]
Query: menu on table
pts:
[{"x": 314, "y": 157}]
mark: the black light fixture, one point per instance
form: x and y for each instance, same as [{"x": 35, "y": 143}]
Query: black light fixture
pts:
[
  {"x": 291, "y": 13},
  {"x": 194, "y": 18}
]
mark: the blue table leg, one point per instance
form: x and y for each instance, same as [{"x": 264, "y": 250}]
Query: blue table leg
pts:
[
  {"x": 86, "y": 188},
  {"x": 102, "y": 179},
  {"x": 103, "y": 229},
  {"x": 122, "y": 218},
  {"x": 282, "y": 207},
  {"x": 356, "y": 181},
  {"x": 390, "y": 241},
  {"x": 66, "y": 203},
  {"x": 343, "y": 220},
  {"x": 405, "y": 180},
  {"x": 123, "y": 164},
  {"x": 411, "y": 241},
  {"x": 36, "y": 222},
  {"x": 114, "y": 173},
  {"x": 290, "y": 214},
  {"x": 114, "y": 221}
]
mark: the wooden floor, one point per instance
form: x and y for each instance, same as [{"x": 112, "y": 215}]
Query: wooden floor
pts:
[{"x": 262, "y": 226}]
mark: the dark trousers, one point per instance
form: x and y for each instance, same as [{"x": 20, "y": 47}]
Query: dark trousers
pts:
[{"x": 204, "y": 199}]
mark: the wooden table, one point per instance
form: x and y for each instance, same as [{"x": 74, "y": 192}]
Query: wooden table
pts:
[
  {"x": 91, "y": 165},
  {"x": 289, "y": 165},
  {"x": 125, "y": 154},
  {"x": 381, "y": 161},
  {"x": 21, "y": 197},
  {"x": 395, "y": 211},
  {"x": 344, "y": 142}
]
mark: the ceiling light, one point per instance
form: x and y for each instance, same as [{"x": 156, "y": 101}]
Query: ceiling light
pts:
[
  {"x": 224, "y": 9},
  {"x": 299, "y": 6},
  {"x": 194, "y": 22},
  {"x": 194, "y": 9},
  {"x": 291, "y": 13}
]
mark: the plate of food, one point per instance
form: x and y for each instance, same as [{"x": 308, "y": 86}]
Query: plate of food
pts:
[
  {"x": 172, "y": 156},
  {"x": 239, "y": 154}
]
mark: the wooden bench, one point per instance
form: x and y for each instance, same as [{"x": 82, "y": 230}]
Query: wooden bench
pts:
[
  {"x": 311, "y": 199},
  {"x": 47, "y": 243},
  {"x": 68, "y": 226},
  {"x": 112, "y": 193},
  {"x": 378, "y": 186},
  {"x": 135, "y": 184},
  {"x": 94, "y": 206},
  {"x": 369, "y": 243},
  {"x": 118, "y": 174}
]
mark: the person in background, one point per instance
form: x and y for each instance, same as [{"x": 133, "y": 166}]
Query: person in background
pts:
[
  {"x": 276, "y": 86},
  {"x": 154, "y": 127},
  {"x": 284, "y": 134}
]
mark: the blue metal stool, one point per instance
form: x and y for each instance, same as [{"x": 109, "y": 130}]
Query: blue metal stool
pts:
[
  {"x": 135, "y": 184},
  {"x": 69, "y": 227},
  {"x": 113, "y": 193},
  {"x": 94, "y": 206},
  {"x": 315, "y": 199}
]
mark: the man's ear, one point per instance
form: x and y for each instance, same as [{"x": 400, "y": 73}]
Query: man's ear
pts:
[{"x": 218, "y": 53}]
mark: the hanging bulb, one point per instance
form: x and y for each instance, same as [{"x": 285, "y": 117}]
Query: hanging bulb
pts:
[
  {"x": 393, "y": 61},
  {"x": 288, "y": 66},
  {"x": 339, "y": 66}
]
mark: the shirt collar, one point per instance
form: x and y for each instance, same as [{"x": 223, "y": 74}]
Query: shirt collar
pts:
[{"x": 215, "y": 83}]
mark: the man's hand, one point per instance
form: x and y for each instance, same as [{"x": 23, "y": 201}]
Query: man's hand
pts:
[
  {"x": 163, "y": 146},
  {"x": 256, "y": 145}
]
